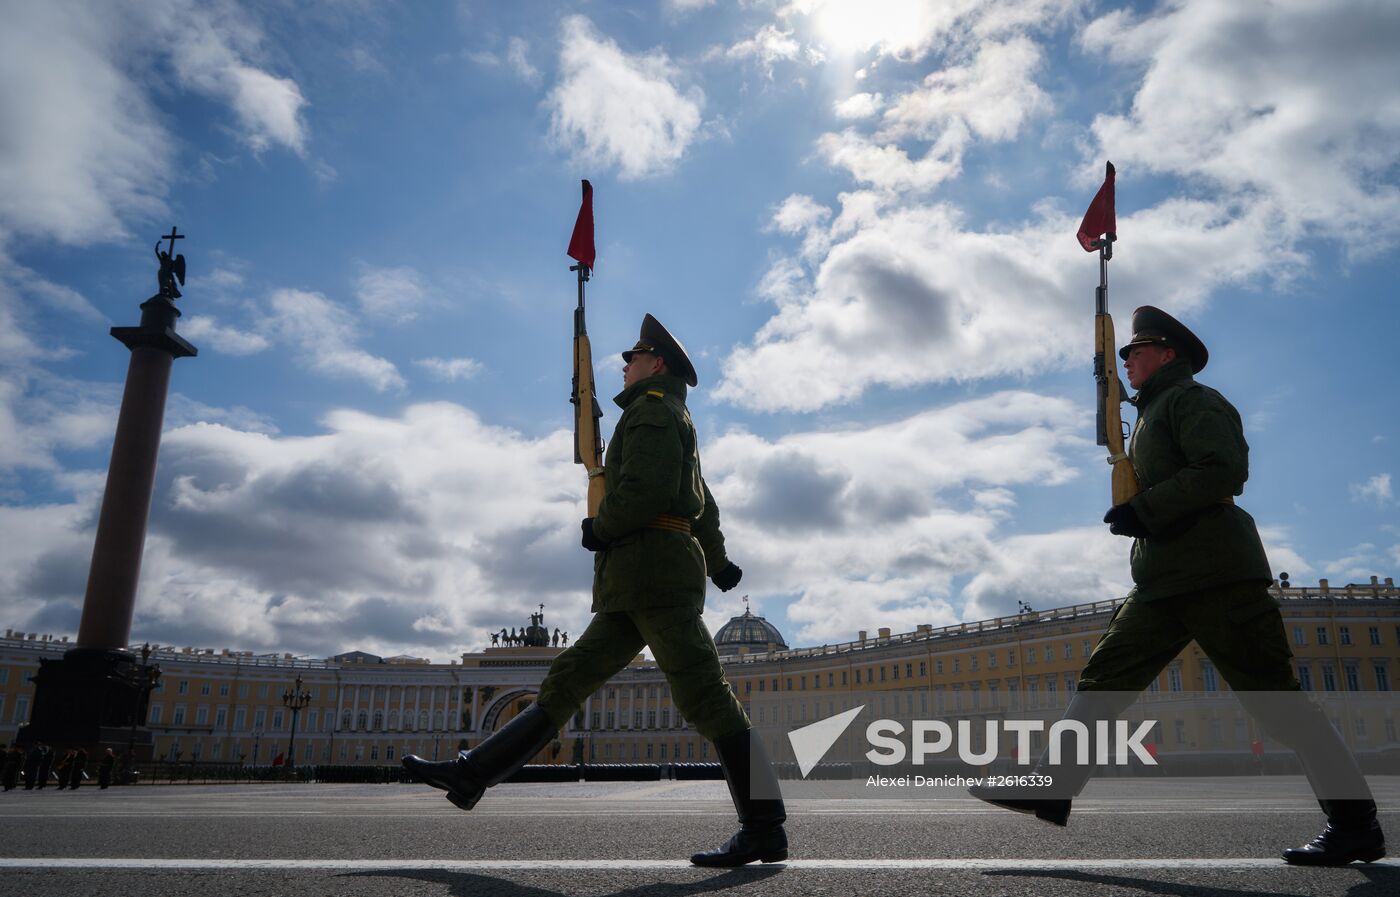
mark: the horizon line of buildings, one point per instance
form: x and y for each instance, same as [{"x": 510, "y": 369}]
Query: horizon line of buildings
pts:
[{"x": 226, "y": 706}]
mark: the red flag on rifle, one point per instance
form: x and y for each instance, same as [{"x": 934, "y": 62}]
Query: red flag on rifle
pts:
[
  {"x": 1100, "y": 219},
  {"x": 581, "y": 247}
]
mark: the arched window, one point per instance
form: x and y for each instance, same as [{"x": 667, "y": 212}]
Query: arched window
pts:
[
  {"x": 362, "y": 721},
  {"x": 378, "y": 720}
]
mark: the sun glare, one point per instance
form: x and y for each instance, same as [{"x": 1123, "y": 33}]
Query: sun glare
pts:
[{"x": 855, "y": 26}]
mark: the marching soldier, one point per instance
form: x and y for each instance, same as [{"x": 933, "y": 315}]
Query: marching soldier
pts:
[
  {"x": 655, "y": 537},
  {"x": 1200, "y": 572}
]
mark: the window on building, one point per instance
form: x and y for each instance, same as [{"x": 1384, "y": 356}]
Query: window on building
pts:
[
  {"x": 1329, "y": 678},
  {"x": 179, "y": 717},
  {"x": 1174, "y": 678},
  {"x": 637, "y": 719},
  {"x": 938, "y": 667},
  {"x": 612, "y": 719},
  {"x": 1208, "y": 676},
  {"x": 223, "y": 689},
  {"x": 1030, "y": 655},
  {"x": 1322, "y": 635},
  {"x": 201, "y": 716},
  {"x": 4, "y": 675},
  {"x": 763, "y": 683},
  {"x": 1305, "y": 677},
  {"x": 1069, "y": 651},
  {"x": 374, "y": 752},
  {"x": 666, "y": 718},
  {"x": 957, "y": 664},
  {"x": 1382, "y": 677},
  {"x": 204, "y": 688},
  {"x": 972, "y": 663},
  {"x": 843, "y": 678},
  {"x": 1344, "y": 634},
  {"x": 221, "y": 717},
  {"x": 1353, "y": 677},
  {"x": 789, "y": 683},
  {"x": 895, "y": 668},
  {"x": 908, "y": 671},
  {"x": 991, "y": 660},
  {"x": 1298, "y": 637},
  {"x": 243, "y": 689},
  {"x": 651, "y": 719},
  {"x": 1086, "y": 648},
  {"x": 831, "y": 680},
  {"x": 183, "y": 687},
  {"x": 260, "y": 718},
  {"x": 1374, "y": 634},
  {"x": 262, "y": 691},
  {"x": 663, "y": 752},
  {"x": 882, "y": 674},
  {"x": 153, "y": 715},
  {"x": 277, "y": 718}
]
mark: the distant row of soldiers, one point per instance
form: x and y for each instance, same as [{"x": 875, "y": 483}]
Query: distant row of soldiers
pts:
[
  {"x": 38, "y": 767},
  {"x": 511, "y": 637}
]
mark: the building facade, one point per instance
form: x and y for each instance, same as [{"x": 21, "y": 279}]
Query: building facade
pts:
[{"x": 226, "y": 706}]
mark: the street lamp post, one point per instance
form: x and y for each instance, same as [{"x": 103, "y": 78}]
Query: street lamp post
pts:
[
  {"x": 295, "y": 699},
  {"x": 146, "y": 680}
]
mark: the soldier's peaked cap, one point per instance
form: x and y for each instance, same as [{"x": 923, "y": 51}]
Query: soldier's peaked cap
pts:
[
  {"x": 657, "y": 340},
  {"x": 1154, "y": 327}
]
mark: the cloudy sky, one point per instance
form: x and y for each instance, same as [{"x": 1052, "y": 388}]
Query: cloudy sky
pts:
[{"x": 858, "y": 215}]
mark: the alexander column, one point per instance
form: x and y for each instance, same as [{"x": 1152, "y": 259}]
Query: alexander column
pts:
[{"x": 99, "y": 690}]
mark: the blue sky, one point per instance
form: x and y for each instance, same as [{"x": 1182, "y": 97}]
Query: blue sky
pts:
[{"x": 858, "y": 216}]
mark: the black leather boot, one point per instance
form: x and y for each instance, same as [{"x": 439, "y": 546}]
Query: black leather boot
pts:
[
  {"x": 1352, "y": 833},
  {"x": 1052, "y": 803},
  {"x": 754, "y": 788},
  {"x": 466, "y": 778}
]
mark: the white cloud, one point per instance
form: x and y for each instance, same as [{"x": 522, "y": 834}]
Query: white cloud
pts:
[
  {"x": 415, "y": 533},
  {"x": 910, "y": 297},
  {"x": 909, "y": 30},
  {"x": 220, "y": 338},
  {"x": 819, "y": 516},
  {"x": 989, "y": 99},
  {"x": 1376, "y": 491},
  {"x": 450, "y": 369},
  {"x": 1073, "y": 566},
  {"x": 769, "y": 46},
  {"x": 612, "y": 108},
  {"x": 1292, "y": 102},
  {"x": 394, "y": 294},
  {"x": 326, "y": 335},
  {"x": 687, "y": 6},
  {"x": 86, "y": 148},
  {"x": 860, "y": 105},
  {"x": 517, "y": 55}
]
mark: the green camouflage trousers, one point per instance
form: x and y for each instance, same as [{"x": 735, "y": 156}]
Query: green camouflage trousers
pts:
[{"x": 684, "y": 651}]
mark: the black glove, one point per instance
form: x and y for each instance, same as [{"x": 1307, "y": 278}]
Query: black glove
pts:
[
  {"x": 1122, "y": 520},
  {"x": 590, "y": 541},
  {"x": 727, "y": 578}
]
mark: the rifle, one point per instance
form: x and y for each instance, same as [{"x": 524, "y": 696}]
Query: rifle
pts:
[
  {"x": 588, "y": 442},
  {"x": 1098, "y": 230},
  {"x": 1109, "y": 420}
]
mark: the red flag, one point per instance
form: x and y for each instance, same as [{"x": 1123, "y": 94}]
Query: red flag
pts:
[
  {"x": 1101, "y": 218},
  {"x": 581, "y": 243},
  {"x": 278, "y": 760}
]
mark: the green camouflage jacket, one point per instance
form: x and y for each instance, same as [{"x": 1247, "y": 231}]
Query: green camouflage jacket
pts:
[
  {"x": 652, "y": 467},
  {"x": 1191, "y": 458}
]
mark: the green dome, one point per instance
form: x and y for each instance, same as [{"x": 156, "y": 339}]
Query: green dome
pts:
[{"x": 747, "y": 632}]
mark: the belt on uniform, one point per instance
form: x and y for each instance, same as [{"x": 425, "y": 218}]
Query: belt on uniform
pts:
[{"x": 670, "y": 522}]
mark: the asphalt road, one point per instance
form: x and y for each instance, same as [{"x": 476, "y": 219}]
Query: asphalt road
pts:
[{"x": 1217, "y": 837}]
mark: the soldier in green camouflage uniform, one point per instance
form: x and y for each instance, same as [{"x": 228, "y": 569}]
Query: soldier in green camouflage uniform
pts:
[
  {"x": 655, "y": 536},
  {"x": 1200, "y": 572}
]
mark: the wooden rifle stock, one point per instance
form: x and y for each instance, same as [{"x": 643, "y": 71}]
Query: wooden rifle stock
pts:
[
  {"x": 1124, "y": 478},
  {"x": 588, "y": 442}
]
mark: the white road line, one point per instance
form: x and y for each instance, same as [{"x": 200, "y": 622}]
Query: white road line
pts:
[{"x": 955, "y": 865}]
